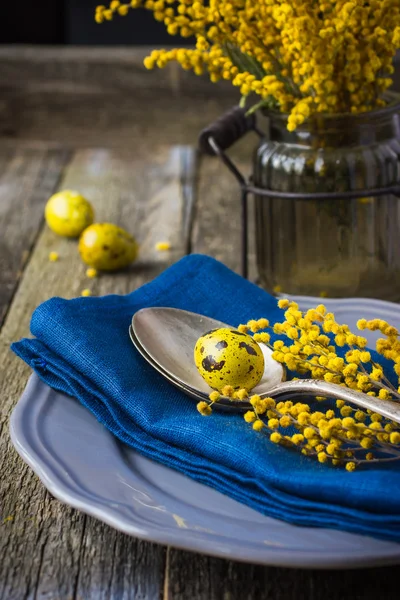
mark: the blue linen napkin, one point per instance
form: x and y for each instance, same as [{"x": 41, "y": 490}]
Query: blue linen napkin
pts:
[{"x": 82, "y": 348}]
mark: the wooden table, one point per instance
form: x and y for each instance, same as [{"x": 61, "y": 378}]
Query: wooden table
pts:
[{"x": 96, "y": 121}]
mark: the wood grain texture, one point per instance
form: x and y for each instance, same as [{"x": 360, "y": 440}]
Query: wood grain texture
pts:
[
  {"x": 47, "y": 550},
  {"x": 96, "y": 70},
  {"x": 217, "y": 227},
  {"x": 28, "y": 177},
  {"x": 88, "y": 120},
  {"x": 90, "y": 96},
  {"x": 95, "y": 96},
  {"x": 101, "y": 68},
  {"x": 205, "y": 578}
]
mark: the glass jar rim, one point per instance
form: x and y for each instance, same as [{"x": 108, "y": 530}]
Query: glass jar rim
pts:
[{"x": 393, "y": 105}]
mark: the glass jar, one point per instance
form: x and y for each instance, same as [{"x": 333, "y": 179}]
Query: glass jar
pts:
[{"x": 330, "y": 248}]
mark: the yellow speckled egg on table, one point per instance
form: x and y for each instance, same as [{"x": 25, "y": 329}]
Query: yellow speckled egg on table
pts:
[
  {"x": 68, "y": 213},
  {"x": 228, "y": 357},
  {"x": 107, "y": 247}
]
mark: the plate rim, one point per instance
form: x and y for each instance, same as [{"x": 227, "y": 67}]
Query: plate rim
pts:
[{"x": 270, "y": 556}]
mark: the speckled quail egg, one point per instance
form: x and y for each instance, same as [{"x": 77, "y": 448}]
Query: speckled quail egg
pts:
[
  {"x": 107, "y": 247},
  {"x": 228, "y": 357},
  {"x": 68, "y": 213}
]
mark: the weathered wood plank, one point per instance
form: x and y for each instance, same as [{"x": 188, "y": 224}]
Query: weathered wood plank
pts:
[
  {"x": 87, "y": 120},
  {"x": 28, "y": 177},
  {"x": 48, "y": 550},
  {"x": 94, "y": 96},
  {"x": 84, "y": 96},
  {"x": 97, "y": 70},
  {"x": 112, "y": 566},
  {"x": 217, "y": 225},
  {"x": 205, "y": 578}
]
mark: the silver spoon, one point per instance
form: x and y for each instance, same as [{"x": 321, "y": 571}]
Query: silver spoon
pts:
[
  {"x": 225, "y": 404},
  {"x": 173, "y": 356},
  {"x": 166, "y": 338}
]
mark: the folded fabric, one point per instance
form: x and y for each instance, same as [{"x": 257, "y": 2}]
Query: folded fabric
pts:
[{"x": 82, "y": 347}]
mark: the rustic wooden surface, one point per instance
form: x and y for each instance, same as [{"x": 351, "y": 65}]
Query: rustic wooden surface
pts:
[
  {"x": 26, "y": 177},
  {"x": 68, "y": 121}
]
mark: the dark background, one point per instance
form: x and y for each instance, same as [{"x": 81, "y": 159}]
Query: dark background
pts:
[{"x": 72, "y": 22}]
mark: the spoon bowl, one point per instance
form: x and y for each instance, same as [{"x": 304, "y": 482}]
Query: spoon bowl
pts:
[
  {"x": 167, "y": 336},
  {"x": 225, "y": 404}
]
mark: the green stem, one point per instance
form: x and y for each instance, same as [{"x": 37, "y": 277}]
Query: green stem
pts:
[{"x": 267, "y": 103}]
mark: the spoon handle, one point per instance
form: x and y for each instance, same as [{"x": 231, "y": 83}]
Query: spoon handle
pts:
[{"x": 313, "y": 387}]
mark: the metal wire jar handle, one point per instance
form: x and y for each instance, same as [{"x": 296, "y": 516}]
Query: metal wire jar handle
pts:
[
  {"x": 226, "y": 130},
  {"x": 220, "y": 136}
]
